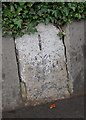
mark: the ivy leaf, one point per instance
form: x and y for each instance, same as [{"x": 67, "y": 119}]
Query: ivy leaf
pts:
[
  {"x": 73, "y": 8},
  {"x": 66, "y": 11},
  {"x": 33, "y": 30},
  {"x": 20, "y": 17},
  {"x": 47, "y": 21},
  {"x": 78, "y": 16},
  {"x": 12, "y": 8},
  {"x": 30, "y": 4},
  {"x": 21, "y": 3},
  {"x": 56, "y": 14},
  {"x": 19, "y": 9},
  {"x": 17, "y": 22}
]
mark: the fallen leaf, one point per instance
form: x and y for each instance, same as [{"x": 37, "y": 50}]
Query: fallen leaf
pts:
[{"x": 52, "y": 106}]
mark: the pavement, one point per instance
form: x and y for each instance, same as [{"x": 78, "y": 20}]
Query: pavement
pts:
[
  {"x": 10, "y": 78},
  {"x": 68, "y": 108}
]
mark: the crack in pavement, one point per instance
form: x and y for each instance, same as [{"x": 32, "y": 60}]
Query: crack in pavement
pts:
[
  {"x": 23, "y": 88},
  {"x": 65, "y": 53},
  {"x": 40, "y": 45},
  {"x": 68, "y": 78}
]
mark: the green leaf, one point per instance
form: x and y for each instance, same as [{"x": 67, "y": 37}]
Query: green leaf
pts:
[
  {"x": 47, "y": 21},
  {"x": 73, "y": 8},
  {"x": 19, "y": 17},
  {"x": 17, "y": 22}
]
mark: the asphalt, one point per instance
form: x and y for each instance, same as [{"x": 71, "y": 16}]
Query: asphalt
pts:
[{"x": 67, "y": 108}]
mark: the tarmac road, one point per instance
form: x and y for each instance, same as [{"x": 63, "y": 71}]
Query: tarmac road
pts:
[{"x": 67, "y": 108}]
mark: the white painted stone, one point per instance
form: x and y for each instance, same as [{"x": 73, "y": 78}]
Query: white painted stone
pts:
[{"x": 43, "y": 71}]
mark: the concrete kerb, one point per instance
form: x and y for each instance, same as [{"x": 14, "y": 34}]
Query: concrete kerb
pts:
[{"x": 10, "y": 79}]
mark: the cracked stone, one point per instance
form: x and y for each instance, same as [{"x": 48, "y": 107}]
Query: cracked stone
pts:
[{"x": 49, "y": 70}]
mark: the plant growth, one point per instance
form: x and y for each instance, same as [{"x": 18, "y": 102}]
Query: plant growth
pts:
[{"x": 19, "y": 18}]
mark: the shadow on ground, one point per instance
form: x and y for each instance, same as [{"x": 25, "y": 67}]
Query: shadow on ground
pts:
[{"x": 68, "y": 108}]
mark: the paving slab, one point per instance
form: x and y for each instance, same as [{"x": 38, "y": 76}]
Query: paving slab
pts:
[
  {"x": 75, "y": 44},
  {"x": 10, "y": 79}
]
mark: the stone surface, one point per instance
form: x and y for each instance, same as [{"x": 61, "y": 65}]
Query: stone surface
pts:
[
  {"x": 84, "y": 55},
  {"x": 0, "y": 74},
  {"x": 10, "y": 83},
  {"x": 42, "y": 65},
  {"x": 43, "y": 74},
  {"x": 74, "y": 41},
  {"x": 67, "y": 108}
]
